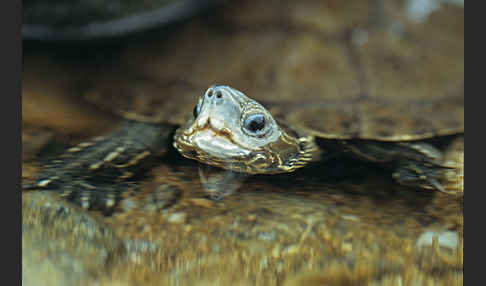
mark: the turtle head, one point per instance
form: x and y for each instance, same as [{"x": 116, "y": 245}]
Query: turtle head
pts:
[{"x": 232, "y": 131}]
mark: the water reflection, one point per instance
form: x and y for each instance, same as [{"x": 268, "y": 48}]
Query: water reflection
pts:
[{"x": 218, "y": 183}]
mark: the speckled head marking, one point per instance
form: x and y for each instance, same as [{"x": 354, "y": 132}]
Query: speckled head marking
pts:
[{"x": 231, "y": 131}]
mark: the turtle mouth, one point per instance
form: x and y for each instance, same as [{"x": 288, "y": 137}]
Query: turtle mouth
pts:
[
  {"x": 207, "y": 142},
  {"x": 217, "y": 144}
]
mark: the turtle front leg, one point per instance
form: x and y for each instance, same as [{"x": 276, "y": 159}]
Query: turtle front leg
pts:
[
  {"x": 420, "y": 174},
  {"x": 414, "y": 164},
  {"x": 93, "y": 174}
]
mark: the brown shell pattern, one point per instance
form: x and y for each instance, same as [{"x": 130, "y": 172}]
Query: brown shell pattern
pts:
[{"x": 374, "y": 73}]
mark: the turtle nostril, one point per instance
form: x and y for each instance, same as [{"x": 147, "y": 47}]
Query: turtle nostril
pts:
[
  {"x": 210, "y": 93},
  {"x": 219, "y": 94}
]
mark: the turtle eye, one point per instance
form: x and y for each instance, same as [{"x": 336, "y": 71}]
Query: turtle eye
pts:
[
  {"x": 196, "y": 110},
  {"x": 255, "y": 123}
]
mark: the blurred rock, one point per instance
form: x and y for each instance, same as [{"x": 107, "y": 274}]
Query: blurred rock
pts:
[
  {"x": 83, "y": 20},
  {"x": 62, "y": 245}
]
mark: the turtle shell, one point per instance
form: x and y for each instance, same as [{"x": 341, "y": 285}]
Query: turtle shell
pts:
[
  {"x": 144, "y": 99},
  {"x": 410, "y": 83},
  {"x": 378, "y": 118},
  {"x": 383, "y": 72}
]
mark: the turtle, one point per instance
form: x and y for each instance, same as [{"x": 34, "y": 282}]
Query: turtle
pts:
[
  {"x": 289, "y": 99},
  {"x": 231, "y": 131}
]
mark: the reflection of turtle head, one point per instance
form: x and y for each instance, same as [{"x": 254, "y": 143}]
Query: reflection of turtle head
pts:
[{"x": 231, "y": 131}]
